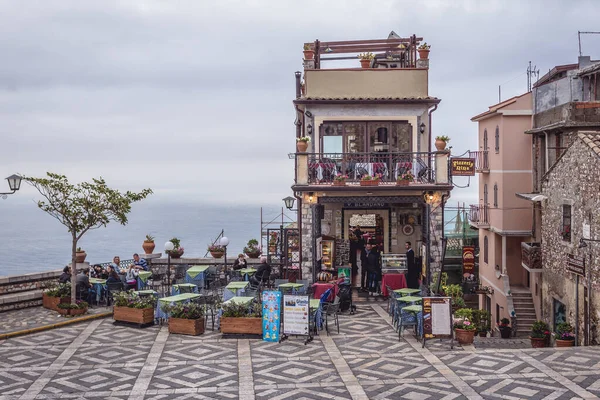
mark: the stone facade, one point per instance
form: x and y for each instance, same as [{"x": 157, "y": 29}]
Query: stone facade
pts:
[{"x": 574, "y": 181}]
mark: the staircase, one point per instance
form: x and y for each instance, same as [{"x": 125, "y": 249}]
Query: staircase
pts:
[{"x": 525, "y": 310}]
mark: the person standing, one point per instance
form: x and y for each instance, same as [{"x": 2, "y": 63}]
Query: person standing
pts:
[
  {"x": 412, "y": 273},
  {"x": 370, "y": 263}
]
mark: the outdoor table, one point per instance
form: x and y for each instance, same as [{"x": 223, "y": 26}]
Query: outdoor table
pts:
[
  {"x": 234, "y": 289},
  {"x": 246, "y": 272},
  {"x": 99, "y": 287},
  {"x": 142, "y": 278},
  {"x": 321, "y": 287},
  {"x": 407, "y": 292},
  {"x": 180, "y": 298},
  {"x": 296, "y": 288},
  {"x": 176, "y": 289},
  {"x": 417, "y": 311},
  {"x": 394, "y": 281},
  {"x": 410, "y": 299},
  {"x": 196, "y": 274}
]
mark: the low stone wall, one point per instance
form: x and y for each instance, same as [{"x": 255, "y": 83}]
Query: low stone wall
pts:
[{"x": 27, "y": 282}]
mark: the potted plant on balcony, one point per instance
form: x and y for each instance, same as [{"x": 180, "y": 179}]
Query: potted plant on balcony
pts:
[
  {"x": 405, "y": 179},
  {"x": 504, "y": 328},
  {"x": 340, "y": 180},
  {"x": 252, "y": 249},
  {"x": 564, "y": 335},
  {"x": 540, "y": 334},
  {"x": 424, "y": 51},
  {"x": 242, "y": 318},
  {"x": 148, "y": 244},
  {"x": 464, "y": 328},
  {"x": 441, "y": 142},
  {"x": 370, "y": 180},
  {"x": 80, "y": 255},
  {"x": 177, "y": 251},
  {"x": 216, "y": 250},
  {"x": 365, "y": 59},
  {"x": 309, "y": 52},
  {"x": 56, "y": 294},
  {"x": 80, "y": 307},
  {"x": 302, "y": 144},
  {"x": 185, "y": 319},
  {"x": 129, "y": 307},
  {"x": 273, "y": 238}
]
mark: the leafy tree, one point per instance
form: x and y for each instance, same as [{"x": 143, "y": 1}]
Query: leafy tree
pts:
[{"x": 84, "y": 206}]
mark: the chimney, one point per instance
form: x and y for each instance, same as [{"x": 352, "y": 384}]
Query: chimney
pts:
[{"x": 584, "y": 61}]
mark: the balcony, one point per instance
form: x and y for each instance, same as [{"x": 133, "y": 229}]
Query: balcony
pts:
[
  {"x": 531, "y": 255},
  {"x": 482, "y": 163},
  {"x": 479, "y": 216}
]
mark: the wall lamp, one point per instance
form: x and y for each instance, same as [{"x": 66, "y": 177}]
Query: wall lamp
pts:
[
  {"x": 582, "y": 242},
  {"x": 309, "y": 129},
  {"x": 14, "y": 184},
  {"x": 428, "y": 196},
  {"x": 422, "y": 128},
  {"x": 310, "y": 197}
]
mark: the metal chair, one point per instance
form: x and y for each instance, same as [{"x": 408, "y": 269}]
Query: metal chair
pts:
[
  {"x": 113, "y": 287},
  {"x": 333, "y": 310},
  {"x": 280, "y": 281},
  {"x": 210, "y": 276}
]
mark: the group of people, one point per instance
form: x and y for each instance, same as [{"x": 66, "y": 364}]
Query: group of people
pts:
[{"x": 263, "y": 270}]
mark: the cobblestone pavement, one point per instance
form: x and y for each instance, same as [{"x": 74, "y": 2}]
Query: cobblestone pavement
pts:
[
  {"x": 97, "y": 359},
  {"x": 35, "y": 317}
]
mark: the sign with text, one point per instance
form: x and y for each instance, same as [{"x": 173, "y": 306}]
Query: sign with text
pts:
[
  {"x": 295, "y": 315},
  {"x": 576, "y": 265},
  {"x": 271, "y": 304},
  {"x": 437, "y": 317},
  {"x": 468, "y": 260},
  {"x": 462, "y": 166}
]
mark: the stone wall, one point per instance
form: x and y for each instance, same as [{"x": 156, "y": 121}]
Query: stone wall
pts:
[
  {"x": 307, "y": 241},
  {"x": 574, "y": 180}
]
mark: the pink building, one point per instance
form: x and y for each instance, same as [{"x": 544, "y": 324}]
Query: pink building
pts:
[{"x": 503, "y": 219}]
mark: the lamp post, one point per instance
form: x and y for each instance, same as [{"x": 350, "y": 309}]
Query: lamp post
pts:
[
  {"x": 14, "y": 184},
  {"x": 224, "y": 242},
  {"x": 169, "y": 246}
]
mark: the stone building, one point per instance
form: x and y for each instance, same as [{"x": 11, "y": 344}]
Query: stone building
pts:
[{"x": 367, "y": 121}]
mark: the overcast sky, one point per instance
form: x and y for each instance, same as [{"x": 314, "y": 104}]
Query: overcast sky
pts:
[{"x": 194, "y": 98}]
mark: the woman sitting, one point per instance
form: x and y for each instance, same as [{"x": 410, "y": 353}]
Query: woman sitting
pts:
[
  {"x": 113, "y": 277},
  {"x": 240, "y": 263},
  {"x": 131, "y": 277},
  {"x": 65, "y": 277}
]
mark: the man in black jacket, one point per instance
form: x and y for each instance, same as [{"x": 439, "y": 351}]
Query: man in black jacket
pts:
[
  {"x": 370, "y": 263},
  {"x": 262, "y": 272},
  {"x": 412, "y": 273}
]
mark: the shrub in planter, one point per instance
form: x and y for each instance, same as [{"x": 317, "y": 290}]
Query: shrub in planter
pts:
[
  {"x": 129, "y": 307},
  {"x": 242, "y": 318},
  {"x": 80, "y": 307},
  {"x": 564, "y": 335},
  {"x": 59, "y": 293},
  {"x": 540, "y": 334},
  {"x": 252, "y": 249},
  {"x": 464, "y": 328},
  {"x": 185, "y": 319}
]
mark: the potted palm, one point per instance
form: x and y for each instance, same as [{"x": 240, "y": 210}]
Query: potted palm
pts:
[
  {"x": 302, "y": 144},
  {"x": 252, "y": 249},
  {"x": 405, "y": 179},
  {"x": 441, "y": 142},
  {"x": 464, "y": 328},
  {"x": 309, "y": 53},
  {"x": 564, "y": 335},
  {"x": 424, "y": 51},
  {"x": 55, "y": 295},
  {"x": 540, "y": 334},
  {"x": 365, "y": 59},
  {"x": 129, "y": 307},
  {"x": 177, "y": 251},
  {"x": 185, "y": 319},
  {"x": 148, "y": 244},
  {"x": 242, "y": 318},
  {"x": 504, "y": 328}
]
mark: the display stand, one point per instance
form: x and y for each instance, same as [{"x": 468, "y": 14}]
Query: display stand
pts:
[
  {"x": 296, "y": 317},
  {"x": 271, "y": 313},
  {"x": 437, "y": 319}
]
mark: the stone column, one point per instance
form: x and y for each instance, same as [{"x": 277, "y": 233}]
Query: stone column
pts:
[
  {"x": 441, "y": 167},
  {"x": 302, "y": 169}
]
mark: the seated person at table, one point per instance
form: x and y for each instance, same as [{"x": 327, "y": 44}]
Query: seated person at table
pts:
[
  {"x": 262, "y": 272},
  {"x": 99, "y": 272},
  {"x": 65, "y": 277},
  {"x": 83, "y": 284},
  {"x": 116, "y": 265},
  {"x": 131, "y": 277},
  {"x": 139, "y": 263},
  {"x": 113, "y": 277},
  {"x": 240, "y": 262}
]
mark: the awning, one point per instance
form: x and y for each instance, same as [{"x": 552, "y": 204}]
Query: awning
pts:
[{"x": 535, "y": 197}]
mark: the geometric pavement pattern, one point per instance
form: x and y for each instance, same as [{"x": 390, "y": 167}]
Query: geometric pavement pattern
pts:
[{"x": 366, "y": 360}]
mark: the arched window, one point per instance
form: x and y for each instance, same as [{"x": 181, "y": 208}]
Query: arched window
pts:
[
  {"x": 485, "y": 195},
  {"x": 485, "y": 140},
  {"x": 497, "y": 139},
  {"x": 485, "y": 249},
  {"x": 495, "y": 195}
]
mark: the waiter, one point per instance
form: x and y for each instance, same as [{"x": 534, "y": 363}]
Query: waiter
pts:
[{"x": 412, "y": 274}]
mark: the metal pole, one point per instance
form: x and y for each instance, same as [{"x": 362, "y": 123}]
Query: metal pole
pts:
[
  {"x": 576, "y": 310},
  {"x": 168, "y": 273},
  {"x": 224, "y": 262},
  {"x": 589, "y": 302}
]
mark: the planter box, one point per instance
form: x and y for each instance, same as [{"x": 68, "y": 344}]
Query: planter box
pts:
[
  {"x": 373, "y": 182},
  {"x": 51, "y": 303},
  {"x": 250, "y": 326},
  {"x": 402, "y": 183},
  {"x": 505, "y": 333},
  {"x": 339, "y": 183},
  {"x": 564, "y": 343},
  {"x": 134, "y": 315},
  {"x": 183, "y": 326}
]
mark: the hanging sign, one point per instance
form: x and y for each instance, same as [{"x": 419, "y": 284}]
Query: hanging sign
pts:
[
  {"x": 295, "y": 315},
  {"x": 462, "y": 166},
  {"x": 468, "y": 260},
  {"x": 576, "y": 265},
  {"x": 271, "y": 305}
]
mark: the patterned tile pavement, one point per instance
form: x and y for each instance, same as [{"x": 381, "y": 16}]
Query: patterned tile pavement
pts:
[
  {"x": 27, "y": 318},
  {"x": 366, "y": 360}
]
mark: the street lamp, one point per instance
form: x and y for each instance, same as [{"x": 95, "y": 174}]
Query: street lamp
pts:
[
  {"x": 224, "y": 242},
  {"x": 289, "y": 202},
  {"x": 169, "y": 246},
  {"x": 14, "y": 184}
]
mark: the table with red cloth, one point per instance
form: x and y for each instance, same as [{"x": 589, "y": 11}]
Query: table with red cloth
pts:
[
  {"x": 394, "y": 281},
  {"x": 321, "y": 287}
]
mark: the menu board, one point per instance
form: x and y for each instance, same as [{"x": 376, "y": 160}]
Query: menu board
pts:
[
  {"x": 437, "y": 322},
  {"x": 295, "y": 315},
  {"x": 271, "y": 304}
]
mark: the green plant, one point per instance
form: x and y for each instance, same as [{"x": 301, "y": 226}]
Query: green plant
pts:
[
  {"x": 443, "y": 281},
  {"x": 407, "y": 176},
  {"x": 304, "y": 139},
  {"x": 185, "y": 311},
  {"x": 366, "y": 56},
  {"x": 540, "y": 330},
  {"x": 340, "y": 178},
  {"x": 307, "y": 46},
  {"x": 458, "y": 302},
  {"x": 564, "y": 331},
  {"x": 79, "y": 250},
  {"x": 424, "y": 46},
  {"x": 149, "y": 239},
  {"x": 504, "y": 323},
  {"x": 59, "y": 290},
  {"x": 483, "y": 320},
  {"x": 463, "y": 319},
  {"x": 216, "y": 248},
  {"x": 443, "y": 137},
  {"x": 79, "y": 304},
  {"x": 176, "y": 243},
  {"x": 236, "y": 310},
  {"x": 252, "y": 247},
  {"x": 132, "y": 300},
  {"x": 368, "y": 177}
]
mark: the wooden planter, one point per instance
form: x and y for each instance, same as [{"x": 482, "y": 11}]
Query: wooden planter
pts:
[
  {"x": 372, "y": 182},
  {"x": 464, "y": 336},
  {"x": 134, "y": 315},
  {"x": 216, "y": 254},
  {"x": 51, "y": 303},
  {"x": 249, "y": 326},
  {"x": 564, "y": 343},
  {"x": 538, "y": 342},
  {"x": 183, "y": 326}
]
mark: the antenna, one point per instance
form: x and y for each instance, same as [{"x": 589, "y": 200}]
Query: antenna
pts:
[
  {"x": 530, "y": 73},
  {"x": 579, "y": 38}
]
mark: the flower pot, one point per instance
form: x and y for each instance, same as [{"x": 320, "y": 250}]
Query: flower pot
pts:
[
  {"x": 440, "y": 145},
  {"x": 217, "y": 254},
  {"x": 249, "y": 326},
  {"x": 301, "y": 146},
  {"x": 372, "y": 182},
  {"x": 183, "y": 326},
  {"x": 148, "y": 247},
  {"x": 464, "y": 336},
  {"x": 253, "y": 255},
  {"x": 365, "y": 63},
  {"x": 505, "y": 333},
  {"x": 80, "y": 256},
  {"x": 176, "y": 253},
  {"x": 77, "y": 311},
  {"x": 51, "y": 303},
  {"x": 564, "y": 343},
  {"x": 133, "y": 315},
  {"x": 309, "y": 54},
  {"x": 538, "y": 342},
  {"x": 402, "y": 182},
  {"x": 423, "y": 54},
  {"x": 339, "y": 183},
  {"x": 63, "y": 311}
]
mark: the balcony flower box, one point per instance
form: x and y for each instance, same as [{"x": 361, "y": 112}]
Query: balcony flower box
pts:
[
  {"x": 245, "y": 325},
  {"x": 183, "y": 326},
  {"x": 402, "y": 182}
]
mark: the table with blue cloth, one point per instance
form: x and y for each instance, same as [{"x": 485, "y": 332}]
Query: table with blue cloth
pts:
[
  {"x": 181, "y": 288},
  {"x": 404, "y": 317},
  {"x": 234, "y": 289},
  {"x": 153, "y": 293},
  {"x": 294, "y": 288},
  {"x": 196, "y": 274},
  {"x": 99, "y": 288},
  {"x": 142, "y": 279},
  {"x": 247, "y": 272},
  {"x": 180, "y": 298},
  {"x": 417, "y": 311}
]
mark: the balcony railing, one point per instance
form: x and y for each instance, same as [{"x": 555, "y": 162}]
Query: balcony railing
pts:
[
  {"x": 482, "y": 163},
  {"x": 323, "y": 168},
  {"x": 531, "y": 255},
  {"x": 479, "y": 215}
]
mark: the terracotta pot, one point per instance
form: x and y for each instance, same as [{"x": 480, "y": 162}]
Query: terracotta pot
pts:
[
  {"x": 423, "y": 54},
  {"x": 402, "y": 182},
  {"x": 253, "y": 255},
  {"x": 464, "y": 336},
  {"x": 564, "y": 343},
  {"x": 63, "y": 311},
  {"x": 372, "y": 182},
  {"x": 301, "y": 147},
  {"x": 183, "y": 326},
  {"x": 77, "y": 311},
  {"x": 538, "y": 342},
  {"x": 505, "y": 333},
  {"x": 134, "y": 315},
  {"x": 51, "y": 303},
  {"x": 250, "y": 326},
  {"x": 339, "y": 183},
  {"x": 80, "y": 256},
  {"x": 148, "y": 247},
  {"x": 365, "y": 63},
  {"x": 309, "y": 54},
  {"x": 440, "y": 145},
  {"x": 176, "y": 253},
  {"x": 217, "y": 254}
]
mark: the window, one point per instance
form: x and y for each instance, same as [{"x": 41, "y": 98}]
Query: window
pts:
[
  {"x": 485, "y": 195},
  {"x": 485, "y": 249},
  {"x": 497, "y": 139},
  {"x": 566, "y": 222},
  {"x": 495, "y": 195},
  {"x": 485, "y": 140}
]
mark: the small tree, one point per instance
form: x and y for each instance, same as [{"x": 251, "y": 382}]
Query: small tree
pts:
[{"x": 81, "y": 207}]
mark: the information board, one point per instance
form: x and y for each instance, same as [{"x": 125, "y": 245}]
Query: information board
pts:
[
  {"x": 576, "y": 264},
  {"x": 271, "y": 305},
  {"x": 295, "y": 315},
  {"x": 437, "y": 318}
]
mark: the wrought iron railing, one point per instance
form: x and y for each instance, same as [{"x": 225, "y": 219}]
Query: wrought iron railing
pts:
[
  {"x": 531, "y": 255},
  {"x": 479, "y": 214},
  {"x": 482, "y": 163},
  {"x": 324, "y": 167}
]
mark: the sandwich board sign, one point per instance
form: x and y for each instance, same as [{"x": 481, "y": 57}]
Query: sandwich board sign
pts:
[{"x": 437, "y": 319}]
